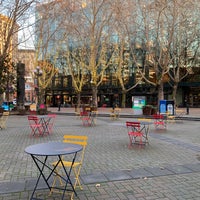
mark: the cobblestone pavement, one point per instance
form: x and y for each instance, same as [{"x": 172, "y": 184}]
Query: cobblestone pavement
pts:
[{"x": 168, "y": 168}]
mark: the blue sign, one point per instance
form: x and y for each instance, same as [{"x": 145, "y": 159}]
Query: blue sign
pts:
[{"x": 163, "y": 106}]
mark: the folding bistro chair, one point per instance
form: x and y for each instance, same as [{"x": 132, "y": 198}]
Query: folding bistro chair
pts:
[
  {"x": 3, "y": 120},
  {"x": 134, "y": 132},
  {"x": 36, "y": 127},
  {"x": 159, "y": 121},
  {"x": 170, "y": 117},
  {"x": 74, "y": 139},
  {"x": 117, "y": 112},
  {"x": 179, "y": 114},
  {"x": 85, "y": 118},
  {"x": 112, "y": 114}
]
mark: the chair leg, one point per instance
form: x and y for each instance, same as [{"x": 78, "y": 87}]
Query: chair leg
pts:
[
  {"x": 32, "y": 131},
  {"x": 77, "y": 179},
  {"x": 56, "y": 178},
  {"x": 77, "y": 182},
  {"x": 86, "y": 122},
  {"x": 130, "y": 141}
]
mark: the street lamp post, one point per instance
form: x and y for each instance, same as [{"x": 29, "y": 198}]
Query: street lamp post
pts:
[{"x": 38, "y": 73}]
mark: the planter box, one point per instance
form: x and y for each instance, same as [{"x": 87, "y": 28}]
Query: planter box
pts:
[{"x": 147, "y": 110}]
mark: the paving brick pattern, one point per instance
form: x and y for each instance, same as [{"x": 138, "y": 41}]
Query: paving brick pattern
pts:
[{"x": 168, "y": 168}]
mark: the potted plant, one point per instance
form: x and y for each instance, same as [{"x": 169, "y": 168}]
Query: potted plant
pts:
[{"x": 42, "y": 109}]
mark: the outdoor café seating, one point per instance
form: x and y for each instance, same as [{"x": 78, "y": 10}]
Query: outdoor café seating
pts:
[
  {"x": 35, "y": 126},
  {"x": 169, "y": 117},
  {"x": 115, "y": 113},
  {"x": 159, "y": 121},
  {"x": 134, "y": 133},
  {"x": 85, "y": 118},
  {"x": 41, "y": 124},
  {"x": 179, "y": 113},
  {"x": 77, "y": 165}
]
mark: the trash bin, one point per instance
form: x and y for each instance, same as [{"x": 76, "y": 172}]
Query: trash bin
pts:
[{"x": 170, "y": 107}]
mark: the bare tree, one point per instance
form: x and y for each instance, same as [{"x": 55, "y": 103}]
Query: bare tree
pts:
[
  {"x": 50, "y": 34},
  {"x": 125, "y": 59},
  {"x": 18, "y": 14},
  {"x": 13, "y": 15},
  {"x": 185, "y": 46},
  {"x": 125, "y": 36},
  {"x": 97, "y": 25},
  {"x": 166, "y": 41},
  {"x": 158, "y": 37},
  {"x": 45, "y": 78},
  {"x": 88, "y": 36}
]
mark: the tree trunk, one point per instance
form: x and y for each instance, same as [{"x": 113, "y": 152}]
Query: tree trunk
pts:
[
  {"x": 42, "y": 96},
  {"x": 94, "y": 96},
  {"x": 78, "y": 99},
  {"x": 174, "y": 93},
  {"x": 123, "y": 99},
  {"x": 160, "y": 93}
]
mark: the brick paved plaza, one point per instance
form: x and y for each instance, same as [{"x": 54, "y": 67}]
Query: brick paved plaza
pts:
[{"x": 168, "y": 168}]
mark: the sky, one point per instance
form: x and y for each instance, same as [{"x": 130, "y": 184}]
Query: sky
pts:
[{"x": 25, "y": 22}]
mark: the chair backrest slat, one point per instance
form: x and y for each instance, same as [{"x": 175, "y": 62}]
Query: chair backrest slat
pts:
[
  {"x": 133, "y": 124},
  {"x": 33, "y": 119},
  {"x": 76, "y": 139},
  {"x": 158, "y": 116}
]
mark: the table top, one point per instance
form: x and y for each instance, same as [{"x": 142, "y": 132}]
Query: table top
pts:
[
  {"x": 43, "y": 116},
  {"x": 53, "y": 149},
  {"x": 146, "y": 122}
]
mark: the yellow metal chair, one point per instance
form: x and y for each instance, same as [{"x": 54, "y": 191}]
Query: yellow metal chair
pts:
[
  {"x": 112, "y": 114},
  {"x": 170, "y": 118},
  {"x": 3, "y": 120},
  {"x": 115, "y": 113},
  {"x": 76, "y": 168},
  {"x": 179, "y": 113}
]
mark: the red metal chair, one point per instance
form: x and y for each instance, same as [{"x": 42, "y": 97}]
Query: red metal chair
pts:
[
  {"x": 159, "y": 121},
  {"x": 36, "y": 127},
  {"x": 86, "y": 120},
  {"x": 134, "y": 132}
]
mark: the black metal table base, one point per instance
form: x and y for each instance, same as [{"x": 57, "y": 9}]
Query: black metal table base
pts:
[{"x": 41, "y": 168}]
